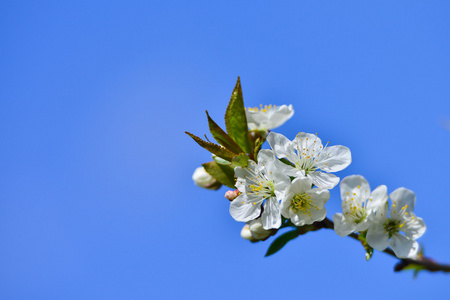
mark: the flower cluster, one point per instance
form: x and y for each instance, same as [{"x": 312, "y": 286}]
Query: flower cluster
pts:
[
  {"x": 266, "y": 185},
  {"x": 288, "y": 184},
  {"x": 368, "y": 212}
]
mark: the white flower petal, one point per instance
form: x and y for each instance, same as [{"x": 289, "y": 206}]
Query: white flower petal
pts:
[
  {"x": 377, "y": 198},
  {"x": 377, "y": 237},
  {"x": 307, "y": 143},
  {"x": 257, "y": 120},
  {"x": 281, "y": 180},
  {"x": 341, "y": 226},
  {"x": 382, "y": 213},
  {"x": 268, "y": 118},
  {"x": 287, "y": 170},
  {"x": 324, "y": 180},
  {"x": 414, "y": 250},
  {"x": 319, "y": 197},
  {"x": 243, "y": 172},
  {"x": 362, "y": 226},
  {"x": 271, "y": 216},
  {"x": 334, "y": 158},
  {"x": 285, "y": 205},
  {"x": 295, "y": 218},
  {"x": 350, "y": 184},
  {"x": 280, "y": 190},
  {"x": 266, "y": 157},
  {"x": 279, "y": 116},
  {"x": 298, "y": 220},
  {"x": 242, "y": 211},
  {"x": 281, "y": 145},
  {"x": 415, "y": 228},
  {"x": 317, "y": 215},
  {"x": 300, "y": 185},
  {"x": 402, "y": 246},
  {"x": 403, "y": 196}
]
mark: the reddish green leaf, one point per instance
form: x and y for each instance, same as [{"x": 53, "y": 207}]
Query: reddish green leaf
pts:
[
  {"x": 213, "y": 148},
  {"x": 222, "y": 137},
  {"x": 235, "y": 119}
]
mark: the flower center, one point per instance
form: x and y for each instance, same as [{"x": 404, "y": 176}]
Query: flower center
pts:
[
  {"x": 359, "y": 215},
  {"x": 258, "y": 184},
  {"x": 264, "y": 188},
  {"x": 308, "y": 152},
  {"x": 306, "y": 164},
  {"x": 302, "y": 203},
  {"x": 356, "y": 209},
  {"x": 392, "y": 227}
]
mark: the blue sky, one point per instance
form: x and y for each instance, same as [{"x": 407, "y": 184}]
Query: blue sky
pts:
[{"x": 97, "y": 200}]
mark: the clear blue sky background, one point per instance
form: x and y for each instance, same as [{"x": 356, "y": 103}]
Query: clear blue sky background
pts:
[{"x": 96, "y": 196}]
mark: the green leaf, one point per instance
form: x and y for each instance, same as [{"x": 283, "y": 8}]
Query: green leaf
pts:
[
  {"x": 213, "y": 148},
  {"x": 240, "y": 160},
  {"x": 281, "y": 241},
  {"x": 223, "y": 174},
  {"x": 222, "y": 137},
  {"x": 290, "y": 235},
  {"x": 235, "y": 119}
]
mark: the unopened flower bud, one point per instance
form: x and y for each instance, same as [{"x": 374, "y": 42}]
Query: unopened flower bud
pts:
[
  {"x": 204, "y": 180},
  {"x": 246, "y": 234},
  {"x": 257, "y": 230},
  {"x": 231, "y": 195}
]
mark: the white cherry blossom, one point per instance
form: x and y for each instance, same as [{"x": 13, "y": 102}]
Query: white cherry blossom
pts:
[
  {"x": 386, "y": 228},
  {"x": 268, "y": 117},
  {"x": 260, "y": 184},
  {"x": 310, "y": 158},
  {"x": 358, "y": 204},
  {"x": 303, "y": 204}
]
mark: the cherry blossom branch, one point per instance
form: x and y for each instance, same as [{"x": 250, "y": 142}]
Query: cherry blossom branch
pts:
[
  {"x": 421, "y": 263},
  {"x": 288, "y": 186}
]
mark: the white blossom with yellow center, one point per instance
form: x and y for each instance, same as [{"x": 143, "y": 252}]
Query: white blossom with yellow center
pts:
[
  {"x": 310, "y": 158},
  {"x": 358, "y": 204},
  {"x": 303, "y": 204},
  {"x": 387, "y": 225},
  {"x": 261, "y": 184},
  {"x": 268, "y": 117}
]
